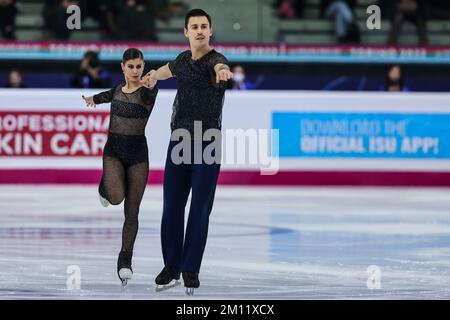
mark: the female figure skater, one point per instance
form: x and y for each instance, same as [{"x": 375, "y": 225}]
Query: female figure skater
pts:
[{"x": 125, "y": 155}]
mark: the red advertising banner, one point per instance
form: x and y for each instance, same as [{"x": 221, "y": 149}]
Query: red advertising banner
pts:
[{"x": 62, "y": 134}]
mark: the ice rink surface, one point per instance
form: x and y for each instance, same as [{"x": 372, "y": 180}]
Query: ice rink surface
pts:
[{"x": 264, "y": 243}]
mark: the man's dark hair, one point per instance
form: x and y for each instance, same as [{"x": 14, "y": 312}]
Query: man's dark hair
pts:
[
  {"x": 196, "y": 13},
  {"x": 132, "y": 53}
]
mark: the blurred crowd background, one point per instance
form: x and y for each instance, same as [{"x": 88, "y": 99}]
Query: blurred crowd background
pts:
[{"x": 411, "y": 23}]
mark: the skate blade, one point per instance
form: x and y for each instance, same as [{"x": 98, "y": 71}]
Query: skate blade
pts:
[
  {"x": 189, "y": 291},
  {"x": 171, "y": 284},
  {"x": 103, "y": 201},
  {"x": 125, "y": 274}
]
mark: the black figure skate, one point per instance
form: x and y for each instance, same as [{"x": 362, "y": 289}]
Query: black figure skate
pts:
[
  {"x": 168, "y": 278},
  {"x": 124, "y": 270},
  {"x": 191, "y": 282}
]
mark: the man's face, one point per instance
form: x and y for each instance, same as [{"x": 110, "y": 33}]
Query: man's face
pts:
[{"x": 198, "y": 31}]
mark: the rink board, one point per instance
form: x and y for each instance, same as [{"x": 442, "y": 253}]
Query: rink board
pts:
[{"x": 324, "y": 138}]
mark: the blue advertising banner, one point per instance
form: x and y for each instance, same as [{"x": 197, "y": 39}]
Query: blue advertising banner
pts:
[{"x": 363, "y": 135}]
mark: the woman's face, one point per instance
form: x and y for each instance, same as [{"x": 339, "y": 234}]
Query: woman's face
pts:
[
  {"x": 132, "y": 69},
  {"x": 395, "y": 73},
  {"x": 15, "y": 78}
]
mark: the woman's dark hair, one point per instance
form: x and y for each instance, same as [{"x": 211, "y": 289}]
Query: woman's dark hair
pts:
[
  {"x": 132, "y": 53},
  {"x": 196, "y": 13}
]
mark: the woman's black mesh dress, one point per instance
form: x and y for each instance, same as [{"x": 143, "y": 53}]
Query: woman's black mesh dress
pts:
[{"x": 125, "y": 156}]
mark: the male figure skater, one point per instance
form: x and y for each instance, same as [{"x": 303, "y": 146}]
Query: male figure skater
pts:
[{"x": 201, "y": 74}]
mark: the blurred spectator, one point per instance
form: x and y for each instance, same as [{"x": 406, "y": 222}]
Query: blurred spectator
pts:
[
  {"x": 410, "y": 10},
  {"x": 136, "y": 20},
  {"x": 8, "y": 12},
  {"x": 15, "y": 80},
  {"x": 438, "y": 9},
  {"x": 289, "y": 9},
  {"x": 131, "y": 19},
  {"x": 239, "y": 81},
  {"x": 346, "y": 29},
  {"x": 162, "y": 9},
  {"x": 55, "y": 18},
  {"x": 394, "y": 80},
  {"x": 102, "y": 11},
  {"x": 166, "y": 9},
  {"x": 91, "y": 74}
]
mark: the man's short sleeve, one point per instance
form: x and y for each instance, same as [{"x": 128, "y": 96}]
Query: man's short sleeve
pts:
[
  {"x": 173, "y": 65},
  {"x": 216, "y": 59}
]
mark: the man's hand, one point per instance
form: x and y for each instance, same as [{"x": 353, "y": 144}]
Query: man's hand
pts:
[
  {"x": 223, "y": 74},
  {"x": 148, "y": 81},
  {"x": 89, "y": 101}
]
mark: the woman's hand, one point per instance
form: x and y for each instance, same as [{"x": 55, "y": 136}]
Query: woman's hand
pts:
[{"x": 89, "y": 101}]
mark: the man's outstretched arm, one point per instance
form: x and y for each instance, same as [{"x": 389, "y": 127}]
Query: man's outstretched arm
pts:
[{"x": 163, "y": 73}]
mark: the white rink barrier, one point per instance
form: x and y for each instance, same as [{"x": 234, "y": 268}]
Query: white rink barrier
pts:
[{"x": 269, "y": 137}]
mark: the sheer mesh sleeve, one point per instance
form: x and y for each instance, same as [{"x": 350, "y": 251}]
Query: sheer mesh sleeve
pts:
[
  {"x": 212, "y": 61},
  {"x": 148, "y": 96},
  {"x": 216, "y": 59},
  {"x": 104, "y": 97},
  {"x": 173, "y": 65}
]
